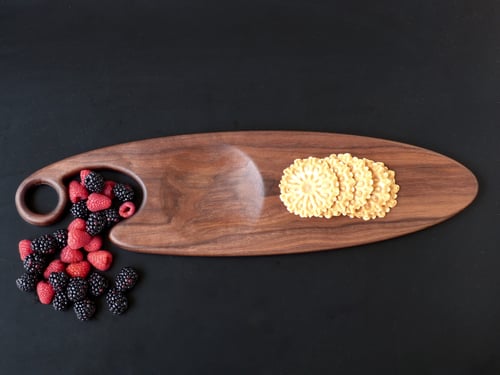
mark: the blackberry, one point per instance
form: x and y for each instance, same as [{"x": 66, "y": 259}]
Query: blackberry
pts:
[
  {"x": 112, "y": 217},
  {"x": 126, "y": 279},
  {"x": 94, "y": 182},
  {"x": 124, "y": 193},
  {"x": 80, "y": 210},
  {"x": 61, "y": 237},
  {"x": 35, "y": 263},
  {"x": 77, "y": 289},
  {"x": 117, "y": 301},
  {"x": 60, "y": 301},
  {"x": 27, "y": 282},
  {"x": 45, "y": 244},
  {"x": 59, "y": 281},
  {"x": 98, "y": 284},
  {"x": 95, "y": 223},
  {"x": 84, "y": 309}
]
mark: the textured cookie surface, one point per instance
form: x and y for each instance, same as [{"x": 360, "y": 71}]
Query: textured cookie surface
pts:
[{"x": 308, "y": 187}]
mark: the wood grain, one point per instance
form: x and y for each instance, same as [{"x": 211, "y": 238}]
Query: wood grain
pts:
[{"x": 217, "y": 194}]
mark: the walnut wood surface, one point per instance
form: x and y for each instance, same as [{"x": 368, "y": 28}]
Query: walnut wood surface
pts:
[{"x": 217, "y": 194}]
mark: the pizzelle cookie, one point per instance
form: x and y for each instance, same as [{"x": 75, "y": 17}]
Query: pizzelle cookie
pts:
[
  {"x": 346, "y": 186},
  {"x": 394, "y": 192},
  {"x": 381, "y": 194},
  {"x": 308, "y": 187},
  {"x": 364, "y": 181}
]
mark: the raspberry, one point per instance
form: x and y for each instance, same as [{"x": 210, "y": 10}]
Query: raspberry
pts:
[
  {"x": 45, "y": 244},
  {"x": 45, "y": 292},
  {"x": 79, "y": 269},
  {"x": 83, "y": 175},
  {"x": 108, "y": 189},
  {"x": 77, "y": 192},
  {"x": 69, "y": 255},
  {"x": 126, "y": 210},
  {"x": 112, "y": 217},
  {"x": 60, "y": 302},
  {"x": 77, "y": 289},
  {"x": 80, "y": 210},
  {"x": 35, "y": 263},
  {"x": 124, "y": 193},
  {"x": 95, "y": 223},
  {"x": 94, "y": 182},
  {"x": 24, "y": 249},
  {"x": 59, "y": 281},
  {"x": 117, "y": 301},
  {"x": 98, "y": 284},
  {"x": 78, "y": 238},
  {"x": 76, "y": 224},
  {"x": 126, "y": 279},
  {"x": 84, "y": 309},
  {"x": 27, "y": 282},
  {"x": 101, "y": 259},
  {"x": 61, "y": 237},
  {"x": 94, "y": 244},
  {"x": 55, "y": 266},
  {"x": 98, "y": 202}
]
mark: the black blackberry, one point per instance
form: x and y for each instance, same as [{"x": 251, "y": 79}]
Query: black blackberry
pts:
[
  {"x": 77, "y": 289},
  {"x": 124, "y": 193},
  {"x": 27, "y": 282},
  {"x": 35, "y": 263},
  {"x": 84, "y": 309},
  {"x": 98, "y": 284},
  {"x": 95, "y": 223},
  {"x": 94, "y": 182},
  {"x": 112, "y": 217},
  {"x": 45, "y": 244},
  {"x": 61, "y": 237},
  {"x": 60, "y": 301},
  {"x": 59, "y": 281},
  {"x": 117, "y": 301},
  {"x": 126, "y": 279},
  {"x": 80, "y": 210}
]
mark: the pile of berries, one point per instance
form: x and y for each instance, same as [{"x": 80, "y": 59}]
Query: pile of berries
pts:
[{"x": 63, "y": 267}]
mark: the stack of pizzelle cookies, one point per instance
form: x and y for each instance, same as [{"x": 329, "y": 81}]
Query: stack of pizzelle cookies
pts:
[{"x": 338, "y": 185}]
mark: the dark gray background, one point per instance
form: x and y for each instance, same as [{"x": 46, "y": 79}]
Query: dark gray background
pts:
[{"x": 75, "y": 76}]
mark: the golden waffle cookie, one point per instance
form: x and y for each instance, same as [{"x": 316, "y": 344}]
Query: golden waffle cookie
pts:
[
  {"x": 308, "y": 187},
  {"x": 381, "y": 194},
  {"x": 346, "y": 185},
  {"x": 394, "y": 192},
  {"x": 364, "y": 182}
]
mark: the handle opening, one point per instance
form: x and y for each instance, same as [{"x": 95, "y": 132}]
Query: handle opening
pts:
[{"x": 25, "y": 206}]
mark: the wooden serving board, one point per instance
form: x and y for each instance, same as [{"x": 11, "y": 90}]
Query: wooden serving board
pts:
[{"x": 217, "y": 194}]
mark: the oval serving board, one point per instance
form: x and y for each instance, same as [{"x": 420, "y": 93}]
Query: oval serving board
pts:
[{"x": 217, "y": 194}]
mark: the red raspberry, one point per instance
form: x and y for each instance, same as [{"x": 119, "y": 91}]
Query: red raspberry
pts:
[
  {"x": 56, "y": 265},
  {"x": 77, "y": 192},
  {"x": 45, "y": 292},
  {"x": 78, "y": 238},
  {"x": 84, "y": 173},
  {"x": 94, "y": 244},
  {"x": 25, "y": 248},
  {"x": 108, "y": 189},
  {"x": 98, "y": 202},
  {"x": 101, "y": 259},
  {"x": 69, "y": 255},
  {"x": 80, "y": 269},
  {"x": 126, "y": 210},
  {"x": 77, "y": 223}
]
